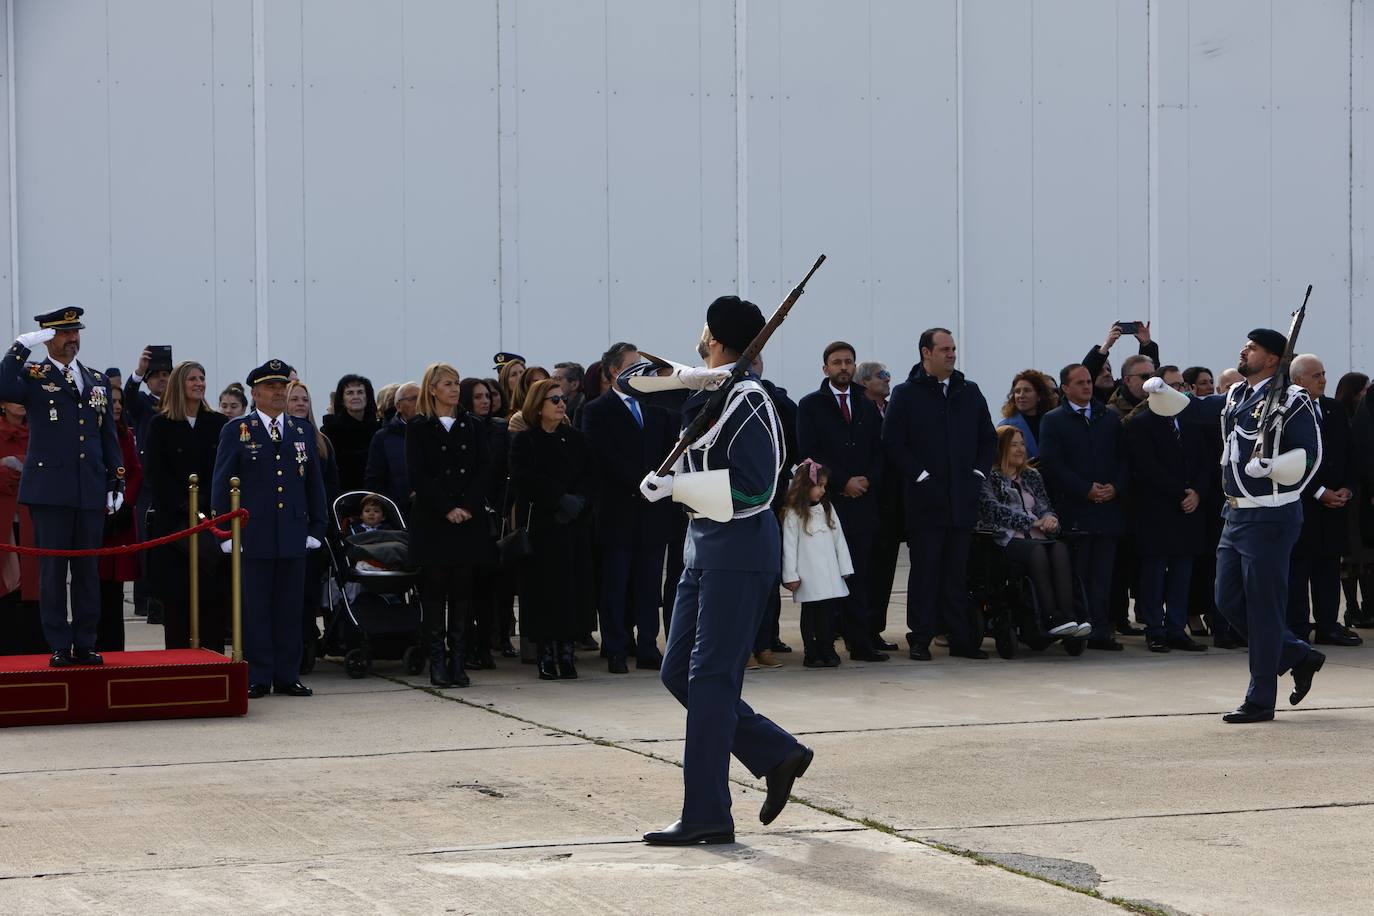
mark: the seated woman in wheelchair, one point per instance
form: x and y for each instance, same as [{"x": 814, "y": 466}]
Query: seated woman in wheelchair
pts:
[{"x": 1013, "y": 505}]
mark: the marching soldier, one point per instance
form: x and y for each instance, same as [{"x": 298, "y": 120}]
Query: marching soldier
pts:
[
  {"x": 73, "y": 475},
  {"x": 275, "y": 460},
  {"x": 1263, "y": 514},
  {"x": 732, "y": 559}
]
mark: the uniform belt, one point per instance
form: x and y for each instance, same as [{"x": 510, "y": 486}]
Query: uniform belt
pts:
[{"x": 1242, "y": 502}]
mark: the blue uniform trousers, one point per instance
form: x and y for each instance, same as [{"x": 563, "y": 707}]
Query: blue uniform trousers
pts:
[
  {"x": 68, "y": 528},
  {"x": 630, "y": 573},
  {"x": 1252, "y": 594},
  {"x": 1163, "y": 602},
  {"x": 272, "y": 643},
  {"x": 714, "y": 621}
]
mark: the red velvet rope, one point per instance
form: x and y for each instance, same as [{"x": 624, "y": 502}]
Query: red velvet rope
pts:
[{"x": 131, "y": 548}]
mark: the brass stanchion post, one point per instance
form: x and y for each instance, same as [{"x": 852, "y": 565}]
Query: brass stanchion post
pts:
[
  {"x": 236, "y": 571},
  {"x": 193, "y": 500}
]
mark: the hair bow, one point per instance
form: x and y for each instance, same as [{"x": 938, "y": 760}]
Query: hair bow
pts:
[{"x": 813, "y": 467}]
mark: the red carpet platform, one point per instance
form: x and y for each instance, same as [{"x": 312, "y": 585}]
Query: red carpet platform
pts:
[{"x": 169, "y": 684}]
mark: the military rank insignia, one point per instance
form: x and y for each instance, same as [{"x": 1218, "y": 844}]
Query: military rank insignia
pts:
[
  {"x": 49, "y": 387},
  {"x": 38, "y": 370}
]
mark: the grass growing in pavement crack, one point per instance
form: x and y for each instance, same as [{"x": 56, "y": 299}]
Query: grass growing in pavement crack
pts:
[{"x": 1131, "y": 906}]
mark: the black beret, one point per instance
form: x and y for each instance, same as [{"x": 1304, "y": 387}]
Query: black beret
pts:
[
  {"x": 67, "y": 319},
  {"x": 1270, "y": 339},
  {"x": 735, "y": 322},
  {"x": 274, "y": 370}
]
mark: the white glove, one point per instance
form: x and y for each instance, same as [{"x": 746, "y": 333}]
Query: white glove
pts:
[
  {"x": 699, "y": 378},
  {"x": 13, "y": 463},
  {"x": 1259, "y": 467},
  {"x": 31, "y": 339},
  {"x": 311, "y": 543},
  {"x": 1154, "y": 385},
  {"x": 112, "y": 502},
  {"x": 655, "y": 487},
  {"x": 226, "y": 545}
]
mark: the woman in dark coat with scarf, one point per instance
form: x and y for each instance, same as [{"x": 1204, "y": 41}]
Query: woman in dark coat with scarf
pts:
[
  {"x": 350, "y": 426},
  {"x": 446, "y": 461},
  {"x": 182, "y": 439},
  {"x": 554, "y": 478}
]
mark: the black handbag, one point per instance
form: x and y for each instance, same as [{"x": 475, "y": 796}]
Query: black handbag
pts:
[{"x": 516, "y": 544}]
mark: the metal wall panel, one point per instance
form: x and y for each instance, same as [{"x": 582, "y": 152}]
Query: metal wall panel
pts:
[
  {"x": 285, "y": 331},
  {"x": 6, "y": 290}
]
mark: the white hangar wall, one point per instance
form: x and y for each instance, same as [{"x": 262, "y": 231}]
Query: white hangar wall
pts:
[{"x": 375, "y": 184}]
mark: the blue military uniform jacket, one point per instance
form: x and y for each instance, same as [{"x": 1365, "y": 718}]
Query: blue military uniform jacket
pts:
[
  {"x": 281, "y": 485},
  {"x": 749, "y": 443},
  {"x": 74, "y": 457}
]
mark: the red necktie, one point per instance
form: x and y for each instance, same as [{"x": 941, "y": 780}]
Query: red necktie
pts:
[{"x": 844, "y": 405}]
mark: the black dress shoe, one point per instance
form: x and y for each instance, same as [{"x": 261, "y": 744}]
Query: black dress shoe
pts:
[
  {"x": 653, "y": 664},
  {"x": 832, "y": 660},
  {"x": 680, "y": 834},
  {"x": 880, "y": 643},
  {"x": 1185, "y": 644},
  {"x": 509, "y": 651},
  {"x": 968, "y": 653},
  {"x": 1226, "y": 642},
  {"x": 1247, "y": 713},
  {"x": 87, "y": 657},
  {"x": 1106, "y": 645},
  {"x": 780, "y": 780},
  {"x": 871, "y": 655},
  {"x": 258, "y": 691},
  {"x": 616, "y": 665},
  {"x": 1339, "y": 639},
  {"x": 1156, "y": 645},
  {"x": 1302, "y": 675},
  {"x": 60, "y": 659},
  {"x": 919, "y": 654},
  {"x": 809, "y": 662},
  {"x": 587, "y": 644},
  {"x": 1125, "y": 629},
  {"x": 1361, "y": 621},
  {"x": 293, "y": 689},
  {"x": 780, "y": 646}
]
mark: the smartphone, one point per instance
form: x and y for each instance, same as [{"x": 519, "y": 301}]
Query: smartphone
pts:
[
  {"x": 1128, "y": 327},
  {"x": 160, "y": 355}
]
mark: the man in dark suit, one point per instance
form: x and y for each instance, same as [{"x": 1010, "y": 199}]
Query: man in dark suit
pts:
[
  {"x": 1315, "y": 564},
  {"x": 139, "y": 409},
  {"x": 939, "y": 433},
  {"x": 1081, "y": 457},
  {"x": 631, "y": 534},
  {"x": 73, "y": 475},
  {"x": 841, "y": 428},
  {"x": 278, "y": 466},
  {"x": 1170, "y": 479},
  {"x": 875, "y": 381}
]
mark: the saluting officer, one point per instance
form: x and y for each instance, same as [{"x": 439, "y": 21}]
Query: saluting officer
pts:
[
  {"x": 73, "y": 475},
  {"x": 275, "y": 460},
  {"x": 1263, "y": 514}
]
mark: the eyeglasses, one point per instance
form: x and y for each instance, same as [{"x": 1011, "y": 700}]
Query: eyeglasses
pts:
[
  {"x": 1179, "y": 386},
  {"x": 557, "y": 398},
  {"x": 1140, "y": 375}
]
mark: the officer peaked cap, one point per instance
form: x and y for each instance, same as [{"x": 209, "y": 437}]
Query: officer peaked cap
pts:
[
  {"x": 735, "y": 322},
  {"x": 67, "y": 319},
  {"x": 274, "y": 370},
  {"x": 1270, "y": 339},
  {"x": 500, "y": 359}
]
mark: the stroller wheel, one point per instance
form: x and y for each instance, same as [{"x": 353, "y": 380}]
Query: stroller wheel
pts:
[
  {"x": 1075, "y": 646},
  {"x": 1005, "y": 638},
  {"x": 357, "y": 663},
  {"x": 414, "y": 659}
]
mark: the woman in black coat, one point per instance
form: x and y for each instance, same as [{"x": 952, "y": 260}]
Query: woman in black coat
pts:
[
  {"x": 446, "y": 460},
  {"x": 554, "y": 477},
  {"x": 350, "y": 426},
  {"x": 182, "y": 439}
]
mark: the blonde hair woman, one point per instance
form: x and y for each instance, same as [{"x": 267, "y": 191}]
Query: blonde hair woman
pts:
[{"x": 532, "y": 376}]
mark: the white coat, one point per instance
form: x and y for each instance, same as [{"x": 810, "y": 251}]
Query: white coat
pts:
[{"x": 819, "y": 557}]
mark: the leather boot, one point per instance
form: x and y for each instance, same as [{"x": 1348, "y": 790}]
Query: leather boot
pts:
[
  {"x": 457, "y": 648},
  {"x": 438, "y": 663},
  {"x": 548, "y": 668},
  {"x": 567, "y": 660}
]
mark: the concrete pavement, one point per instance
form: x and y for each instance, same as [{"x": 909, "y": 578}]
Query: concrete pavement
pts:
[{"x": 1109, "y": 773}]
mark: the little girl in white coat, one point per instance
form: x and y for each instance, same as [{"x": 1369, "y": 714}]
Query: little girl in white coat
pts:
[{"x": 815, "y": 562}]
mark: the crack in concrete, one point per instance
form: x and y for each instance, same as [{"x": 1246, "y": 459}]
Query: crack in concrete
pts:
[{"x": 1157, "y": 815}]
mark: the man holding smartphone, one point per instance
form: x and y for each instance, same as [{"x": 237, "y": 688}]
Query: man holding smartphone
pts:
[{"x": 154, "y": 366}]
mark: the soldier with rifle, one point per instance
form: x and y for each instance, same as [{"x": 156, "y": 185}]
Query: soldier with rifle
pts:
[
  {"x": 724, "y": 471},
  {"x": 1271, "y": 451}
]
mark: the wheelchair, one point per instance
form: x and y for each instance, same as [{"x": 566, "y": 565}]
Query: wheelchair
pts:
[{"x": 1004, "y": 603}]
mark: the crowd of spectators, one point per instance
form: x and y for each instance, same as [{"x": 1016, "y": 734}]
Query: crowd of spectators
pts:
[{"x": 1103, "y": 507}]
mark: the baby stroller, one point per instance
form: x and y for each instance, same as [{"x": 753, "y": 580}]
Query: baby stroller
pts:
[{"x": 374, "y": 600}]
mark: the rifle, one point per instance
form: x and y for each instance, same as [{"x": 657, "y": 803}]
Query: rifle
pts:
[
  {"x": 703, "y": 422},
  {"x": 1279, "y": 387}
]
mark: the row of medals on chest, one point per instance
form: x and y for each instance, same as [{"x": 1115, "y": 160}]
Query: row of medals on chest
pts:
[{"x": 246, "y": 439}]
